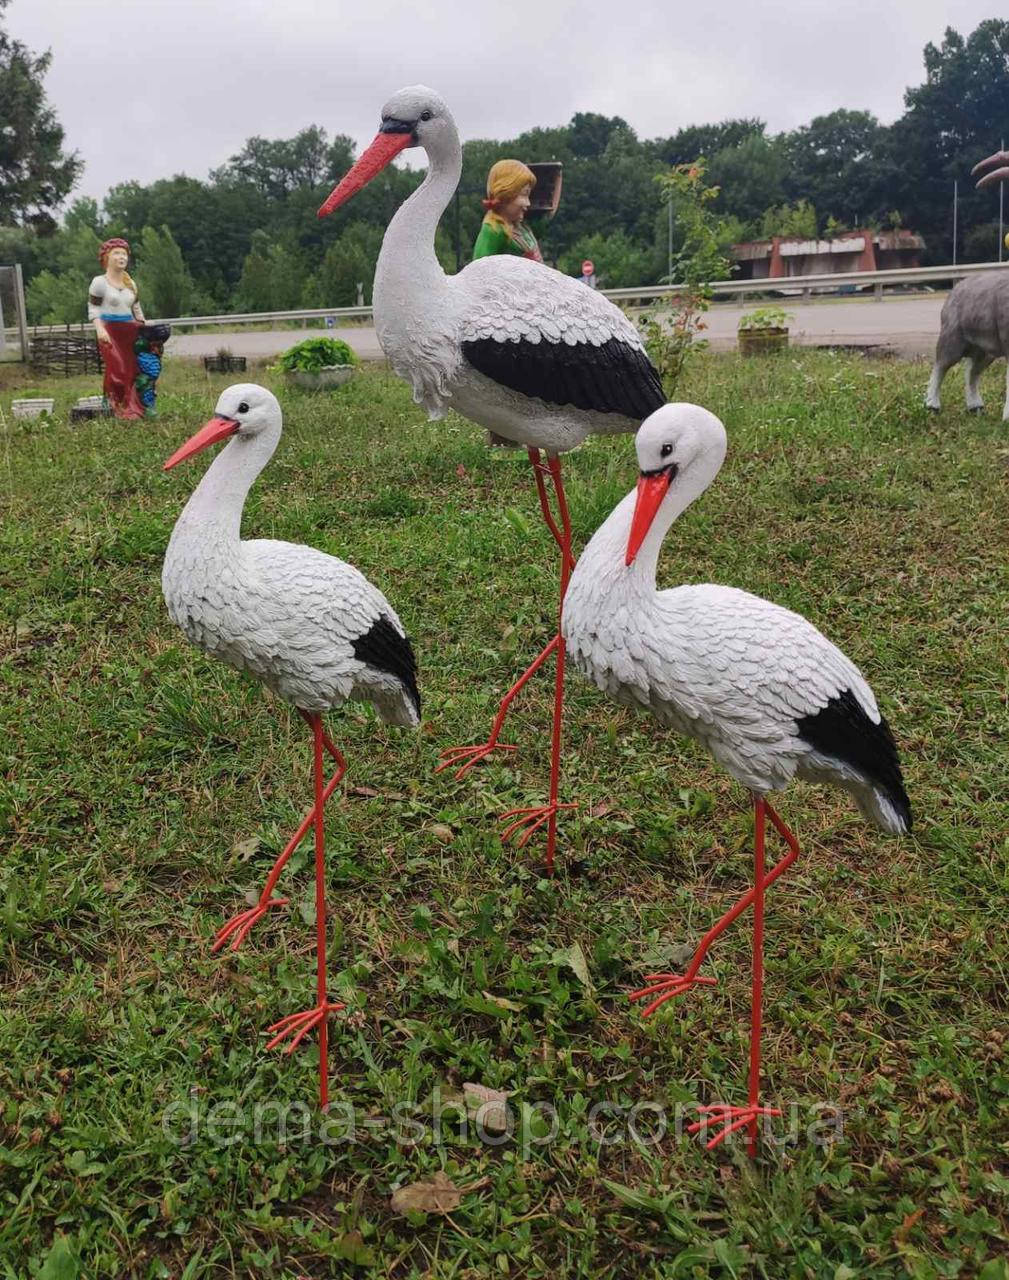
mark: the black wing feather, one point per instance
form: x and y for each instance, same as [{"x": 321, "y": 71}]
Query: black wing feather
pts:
[
  {"x": 843, "y": 730},
  {"x": 383, "y": 648},
  {"x": 613, "y": 377}
]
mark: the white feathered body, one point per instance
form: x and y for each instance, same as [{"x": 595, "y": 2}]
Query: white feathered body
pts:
[
  {"x": 289, "y": 614},
  {"x": 727, "y": 668},
  {"x": 425, "y": 320}
]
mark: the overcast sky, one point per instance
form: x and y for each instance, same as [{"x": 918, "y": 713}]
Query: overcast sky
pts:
[{"x": 148, "y": 88}]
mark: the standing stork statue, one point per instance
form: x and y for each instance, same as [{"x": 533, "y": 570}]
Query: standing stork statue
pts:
[
  {"x": 530, "y": 354},
  {"x": 312, "y": 628},
  {"x": 759, "y": 686}
]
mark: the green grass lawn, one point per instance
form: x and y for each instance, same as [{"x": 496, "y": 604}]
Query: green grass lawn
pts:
[{"x": 145, "y": 789}]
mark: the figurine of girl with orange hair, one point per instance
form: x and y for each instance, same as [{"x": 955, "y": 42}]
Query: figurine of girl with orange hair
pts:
[
  {"x": 504, "y": 229},
  {"x": 129, "y": 347}
]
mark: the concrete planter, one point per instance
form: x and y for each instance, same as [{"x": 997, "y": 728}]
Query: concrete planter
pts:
[
  {"x": 32, "y": 408},
  {"x": 330, "y": 375},
  {"x": 758, "y": 342}
]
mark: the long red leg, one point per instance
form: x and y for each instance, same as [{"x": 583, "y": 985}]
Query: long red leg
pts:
[
  {"x": 472, "y": 755},
  {"x": 298, "y": 1025},
  {"x": 757, "y": 994},
  {"x": 529, "y": 820},
  {"x": 238, "y": 928},
  {"x": 666, "y": 986},
  {"x": 320, "y": 915},
  {"x": 729, "y": 1118}
]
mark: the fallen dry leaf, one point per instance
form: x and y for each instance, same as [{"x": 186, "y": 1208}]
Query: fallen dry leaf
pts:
[
  {"x": 440, "y": 1195},
  {"x": 489, "y": 1107}
]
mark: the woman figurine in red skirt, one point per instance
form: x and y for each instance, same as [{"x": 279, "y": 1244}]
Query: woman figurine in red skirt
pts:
[{"x": 118, "y": 319}]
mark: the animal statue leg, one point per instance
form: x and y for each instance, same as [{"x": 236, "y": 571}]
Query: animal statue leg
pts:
[
  {"x": 949, "y": 350},
  {"x": 972, "y": 371},
  {"x": 729, "y": 1119},
  {"x": 1005, "y": 407},
  {"x": 298, "y": 1025},
  {"x": 529, "y": 820},
  {"x": 238, "y": 928},
  {"x": 467, "y": 757}
]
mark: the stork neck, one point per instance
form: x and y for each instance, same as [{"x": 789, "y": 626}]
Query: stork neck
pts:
[
  {"x": 219, "y": 499},
  {"x": 603, "y": 560},
  {"x": 408, "y": 246}
]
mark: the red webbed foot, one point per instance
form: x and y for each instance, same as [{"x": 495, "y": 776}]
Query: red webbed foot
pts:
[
  {"x": 728, "y": 1119},
  {"x": 238, "y": 928},
  {"x": 529, "y": 821},
  {"x": 298, "y": 1025},
  {"x": 667, "y": 986},
  {"x": 453, "y": 756}
]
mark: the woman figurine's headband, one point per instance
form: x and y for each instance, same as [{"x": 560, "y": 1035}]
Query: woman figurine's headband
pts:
[
  {"x": 505, "y": 180},
  {"x": 117, "y": 242}
]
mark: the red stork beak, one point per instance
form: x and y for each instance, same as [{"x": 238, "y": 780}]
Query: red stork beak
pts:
[
  {"x": 386, "y": 145},
  {"x": 217, "y": 428},
  {"x": 652, "y": 488}
]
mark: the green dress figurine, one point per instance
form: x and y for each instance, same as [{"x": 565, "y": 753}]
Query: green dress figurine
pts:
[{"x": 504, "y": 229}]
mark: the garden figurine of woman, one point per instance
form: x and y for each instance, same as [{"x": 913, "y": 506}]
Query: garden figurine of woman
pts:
[
  {"x": 130, "y": 350},
  {"x": 504, "y": 228}
]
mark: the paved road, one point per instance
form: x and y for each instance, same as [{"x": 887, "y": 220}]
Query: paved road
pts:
[{"x": 909, "y": 324}]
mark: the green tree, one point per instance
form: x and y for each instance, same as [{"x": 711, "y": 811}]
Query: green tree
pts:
[
  {"x": 619, "y": 261},
  {"x": 35, "y": 172},
  {"x": 273, "y": 277},
  {"x": 348, "y": 262},
  {"x": 59, "y": 293},
  {"x": 830, "y": 163},
  {"x": 797, "y": 219},
  {"x": 751, "y": 177},
  {"x": 278, "y": 166},
  {"x": 955, "y": 118},
  {"x": 163, "y": 275},
  {"x": 706, "y": 140}
]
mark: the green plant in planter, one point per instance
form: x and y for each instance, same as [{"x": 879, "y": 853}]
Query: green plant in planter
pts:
[
  {"x": 764, "y": 318},
  {"x": 762, "y": 331},
  {"x": 316, "y": 353}
]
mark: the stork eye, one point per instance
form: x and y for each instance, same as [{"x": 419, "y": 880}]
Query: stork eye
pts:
[
  {"x": 665, "y": 451},
  {"x": 243, "y": 407},
  {"x": 425, "y": 115}
]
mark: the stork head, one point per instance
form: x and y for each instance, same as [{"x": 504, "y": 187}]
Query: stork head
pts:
[
  {"x": 680, "y": 449},
  {"x": 414, "y": 117},
  {"x": 246, "y": 411}
]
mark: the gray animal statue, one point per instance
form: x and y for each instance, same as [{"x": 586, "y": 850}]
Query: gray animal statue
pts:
[{"x": 975, "y": 324}]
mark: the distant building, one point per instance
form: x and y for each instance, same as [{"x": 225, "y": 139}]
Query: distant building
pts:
[{"x": 865, "y": 250}]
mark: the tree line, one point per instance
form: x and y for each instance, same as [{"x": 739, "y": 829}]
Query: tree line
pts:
[{"x": 246, "y": 238}]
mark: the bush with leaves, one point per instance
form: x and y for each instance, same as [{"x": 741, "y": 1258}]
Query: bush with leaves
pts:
[
  {"x": 316, "y": 353},
  {"x": 670, "y": 330}
]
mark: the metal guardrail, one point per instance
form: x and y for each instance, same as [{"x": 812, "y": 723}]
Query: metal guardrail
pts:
[{"x": 877, "y": 280}]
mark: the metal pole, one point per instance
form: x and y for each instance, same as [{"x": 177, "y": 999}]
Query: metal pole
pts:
[
  {"x": 669, "y": 277},
  {"x": 954, "y": 220},
  {"x": 19, "y": 308},
  {"x": 1001, "y": 197}
]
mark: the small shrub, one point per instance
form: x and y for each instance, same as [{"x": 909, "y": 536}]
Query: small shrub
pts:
[
  {"x": 765, "y": 318},
  {"x": 669, "y": 330},
  {"x": 316, "y": 353}
]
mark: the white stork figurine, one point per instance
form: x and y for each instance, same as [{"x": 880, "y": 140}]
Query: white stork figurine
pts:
[
  {"x": 514, "y": 346},
  {"x": 310, "y": 627},
  {"x": 759, "y": 686}
]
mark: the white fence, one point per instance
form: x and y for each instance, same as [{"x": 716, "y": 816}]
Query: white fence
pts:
[{"x": 790, "y": 285}]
